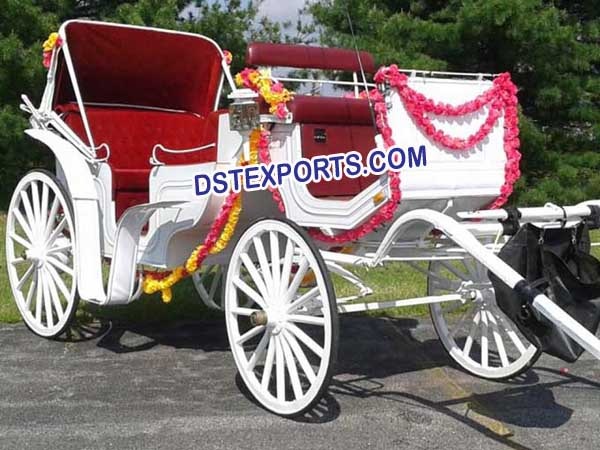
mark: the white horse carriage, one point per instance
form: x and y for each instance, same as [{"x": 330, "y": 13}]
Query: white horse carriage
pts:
[{"x": 131, "y": 116}]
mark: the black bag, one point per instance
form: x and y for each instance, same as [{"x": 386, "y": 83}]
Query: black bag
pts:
[{"x": 556, "y": 262}]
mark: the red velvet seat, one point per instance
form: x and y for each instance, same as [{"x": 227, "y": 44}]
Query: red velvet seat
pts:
[{"x": 132, "y": 133}]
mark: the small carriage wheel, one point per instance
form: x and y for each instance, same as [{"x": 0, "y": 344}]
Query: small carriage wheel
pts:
[
  {"x": 476, "y": 334},
  {"x": 208, "y": 283},
  {"x": 285, "y": 342},
  {"x": 40, "y": 249}
]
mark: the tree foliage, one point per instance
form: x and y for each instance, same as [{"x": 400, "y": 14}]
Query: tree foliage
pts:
[{"x": 551, "y": 48}]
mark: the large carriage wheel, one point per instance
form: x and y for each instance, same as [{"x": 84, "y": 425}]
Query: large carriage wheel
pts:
[
  {"x": 477, "y": 334},
  {"x": 40, "y": 244},
  {"x": 285, "y": 342}
]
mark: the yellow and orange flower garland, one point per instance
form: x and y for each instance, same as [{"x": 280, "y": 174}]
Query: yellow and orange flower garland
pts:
[
  {"x": 53, "y": 41},
  {"x": 216, "y": 240},
  {"x": 272, "y": 92}
]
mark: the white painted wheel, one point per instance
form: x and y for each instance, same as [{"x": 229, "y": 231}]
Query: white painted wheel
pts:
[
  {"x": 476, "y": 334},
  {"x": 285, "y": 342},
  {"x": 40, "y": 243},
  {"x": 209, "y": 285}
]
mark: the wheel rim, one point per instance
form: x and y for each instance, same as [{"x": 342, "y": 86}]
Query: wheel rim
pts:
[
  {"x": 209, "y": 285},
  {"x": 282, "y": 342},
  {"x": 39, "y": 254},
  {"x": 477, "y": 335}
]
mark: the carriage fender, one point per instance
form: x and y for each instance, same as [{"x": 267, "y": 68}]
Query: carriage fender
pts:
[{"x": 84, "y": 198}]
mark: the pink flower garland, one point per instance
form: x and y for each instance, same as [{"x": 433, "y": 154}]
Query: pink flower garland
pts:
[
  {"x": 265, "y": 157},
  {"x": 501, "y": 98}
]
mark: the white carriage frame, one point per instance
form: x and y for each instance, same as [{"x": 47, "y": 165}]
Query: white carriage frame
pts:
[{"x": 80, "y": 170}]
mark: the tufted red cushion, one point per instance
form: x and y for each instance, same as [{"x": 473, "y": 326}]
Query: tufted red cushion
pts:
[{"x": 131, "y": 135}]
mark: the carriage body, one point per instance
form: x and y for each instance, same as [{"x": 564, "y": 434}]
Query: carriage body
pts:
[{"x": 132, "y": 116}]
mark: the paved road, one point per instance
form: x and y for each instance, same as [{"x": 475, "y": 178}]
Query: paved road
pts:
[{"x": 175, "y": 387}]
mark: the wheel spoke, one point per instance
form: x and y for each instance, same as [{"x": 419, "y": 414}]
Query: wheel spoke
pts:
[
  {"x": 249, "y": 334},
  {"x": 260, "y": 349},
  {"x": 275, "y": 260},
  {"x": 55, "y": 296},
  {"x": 25, "y": 276},
  {"x": 300, "y": 356},
  {"x": 44, "y": 206},
  {"x": 280, "y": 370},
  {"x": 508, "y": 328},
  {"x": 35, "y": 204},
  {"x": 58, "y": 281},
  {"x": 298, "y": 276},
  {"x": 263, "y": 262},
  {"x": 28, "y": 212},
  {"x": 51, "y": 217},
  {"x": 469, "y": 340},
  {"x": 38, "y": 300},
  {"x": 256, "y": 277},
  {"x": 453, "y": 270},
  {"x": 243, "y": 286},
  {"x": 467, "y": 314},
  {"x": 24, "y": 225},
  {"x": 305, "y": 318},
  {"x": 60, "y": 248},
  {"x": 47, "y": 301},
  {"x": 303, "y": 299},
  {"x": 59, "y": 228},
  {"x": 32, "y": 289},
  {"x": 498, "y": 340},
  {"x": 215, "y": 282},
  {"x": 15, "y": 237},
  {"x": 292, "y": 369},
  {"x": 286, "y": 270},
  {"x": 306, "y": 339},
  {"x": 239, "y": 311},
  {"x": 484, "y": 340},
  {"x": 59, "y": 265},
  {"x": 266, "y": 376}
]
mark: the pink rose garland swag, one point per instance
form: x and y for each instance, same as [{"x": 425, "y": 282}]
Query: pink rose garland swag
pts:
[{"x": 502, "y": 100}]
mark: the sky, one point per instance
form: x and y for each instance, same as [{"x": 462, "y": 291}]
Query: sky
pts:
[
  {"x": 276, "y": 10},
  {"x": 281, "y": 10}
]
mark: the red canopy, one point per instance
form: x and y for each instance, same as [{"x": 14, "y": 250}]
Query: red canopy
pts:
[{"x": 120, "y": 64}]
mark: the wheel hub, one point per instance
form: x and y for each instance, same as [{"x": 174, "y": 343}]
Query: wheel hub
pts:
[
  {"x": 36, "y": 256},
  {"x": 259, "y": 318}
]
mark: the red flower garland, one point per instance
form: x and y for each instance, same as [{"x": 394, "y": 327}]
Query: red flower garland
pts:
[{"x": 502, "y": 100}]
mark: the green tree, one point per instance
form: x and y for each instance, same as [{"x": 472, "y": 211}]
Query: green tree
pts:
[
  {"x": 25, "y": 24},
  {"x": 551, "y": 48}
]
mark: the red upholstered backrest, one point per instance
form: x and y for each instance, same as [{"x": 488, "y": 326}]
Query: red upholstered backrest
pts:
[
  {"x": 131, "y": 134},
  {"x": 125, "y": 65},
  {"x": 307, "y": 57}
]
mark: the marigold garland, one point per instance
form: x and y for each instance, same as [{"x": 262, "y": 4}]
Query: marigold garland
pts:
[
  {"x": 53, "y": 41},
  {"x": 216, "y": 240},
  {"x": 271, "y": 91}
]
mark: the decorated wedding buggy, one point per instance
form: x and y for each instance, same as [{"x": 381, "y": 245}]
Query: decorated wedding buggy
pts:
[{"x": 132, "y": 116}]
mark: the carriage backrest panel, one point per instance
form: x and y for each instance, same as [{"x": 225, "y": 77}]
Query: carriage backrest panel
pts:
[
  {"x": 141, "y": 67},
  {"x": 131, "y": 136},
  {"x": 328, "y": 124},
  {"x": 308, "y": 57}
]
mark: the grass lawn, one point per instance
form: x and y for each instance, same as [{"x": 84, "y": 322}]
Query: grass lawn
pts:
[{"x": 390, "y": 282}]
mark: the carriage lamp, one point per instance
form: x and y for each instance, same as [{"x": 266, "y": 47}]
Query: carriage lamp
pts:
[{"x": 243, "y": 111}]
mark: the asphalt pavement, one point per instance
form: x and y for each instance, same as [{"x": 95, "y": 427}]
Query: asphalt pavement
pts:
[{"x": 175, "y": 386}]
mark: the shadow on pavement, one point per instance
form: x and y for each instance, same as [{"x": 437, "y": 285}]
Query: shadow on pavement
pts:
[{"x": 371, "y": 350}]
